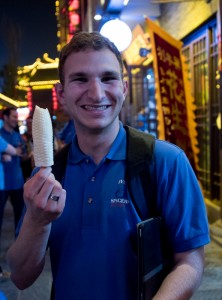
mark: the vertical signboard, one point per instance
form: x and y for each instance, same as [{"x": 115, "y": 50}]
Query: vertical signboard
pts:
[{"x": 174, "y": 102}]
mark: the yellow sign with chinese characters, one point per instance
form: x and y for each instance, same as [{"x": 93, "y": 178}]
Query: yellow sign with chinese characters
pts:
[{"x": 175, "y": 105}]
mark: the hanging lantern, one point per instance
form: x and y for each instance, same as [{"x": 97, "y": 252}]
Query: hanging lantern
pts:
[
  {"x": 29, "y": 98},
  {"x": 54, "y": 100}
]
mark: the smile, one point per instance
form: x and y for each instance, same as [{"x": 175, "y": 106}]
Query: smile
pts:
[{"x": 94, "y": 108}]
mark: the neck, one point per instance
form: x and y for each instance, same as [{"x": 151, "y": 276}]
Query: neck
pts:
[{"x": 97, "y": 144}]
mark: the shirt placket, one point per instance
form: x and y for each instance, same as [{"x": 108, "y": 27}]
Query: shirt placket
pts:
[{"x": 90, "y": 199}]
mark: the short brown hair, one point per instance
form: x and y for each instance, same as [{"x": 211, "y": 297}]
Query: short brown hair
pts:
[
  {"x": 7, "y": 111},
  {"x": 82, "y": 41}
]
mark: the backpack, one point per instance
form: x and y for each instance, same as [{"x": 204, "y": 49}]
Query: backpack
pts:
[{"x": 139, "y": 170}]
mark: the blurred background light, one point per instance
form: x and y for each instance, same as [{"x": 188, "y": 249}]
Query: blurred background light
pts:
[
  {"x": 97, "y": 17},
  {"x": 118, "y": 32}
]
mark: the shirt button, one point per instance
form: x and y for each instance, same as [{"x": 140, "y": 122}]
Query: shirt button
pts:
[
  {"x": 93, "y": 178},
  {"x": 90, "y": 200},
  {"x": 87, "y": 161}
]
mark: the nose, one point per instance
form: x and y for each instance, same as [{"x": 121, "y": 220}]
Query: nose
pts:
[{"x": 96, "y": 89}]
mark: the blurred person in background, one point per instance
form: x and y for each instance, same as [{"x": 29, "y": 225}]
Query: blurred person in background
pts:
[
  {"x": 27, "y": 162},
  {"x": 13, "y": 175},
  {"x": 66, "y": 134},
  {"x": 6, "y": 153}
]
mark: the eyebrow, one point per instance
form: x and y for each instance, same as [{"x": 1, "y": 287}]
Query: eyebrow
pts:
[
  {"x": 77, "y": 74},
  {"x": 111, "y": 73},
  {"x": 85, "y": 74}
]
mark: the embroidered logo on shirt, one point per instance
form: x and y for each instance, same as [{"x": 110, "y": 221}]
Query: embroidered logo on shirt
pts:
[
  {"x": 120, "y": 199},
  {"x": 122, "y": 181},
  {"x": 119, "y": 202}
]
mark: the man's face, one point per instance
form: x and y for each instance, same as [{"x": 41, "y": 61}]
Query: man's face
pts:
[
  {"x": 12, "y": 120},
  {"x": 93, "y": 89}
]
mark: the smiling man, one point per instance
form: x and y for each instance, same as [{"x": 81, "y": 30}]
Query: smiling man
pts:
[
  {"x": 91, "y": 229},
  {"x": 94, "y": 91}
]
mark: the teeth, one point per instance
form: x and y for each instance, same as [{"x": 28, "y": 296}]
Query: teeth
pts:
[
  {"x": 88, "y": 107},
  {"x": 42, "y": 138}
]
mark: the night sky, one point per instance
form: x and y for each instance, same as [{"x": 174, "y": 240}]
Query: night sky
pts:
[{"x": 38, "y": 25}]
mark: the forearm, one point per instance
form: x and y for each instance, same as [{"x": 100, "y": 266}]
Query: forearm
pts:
[
  {"x": 11, "y": 150},
  {"x": 182, "y": 289},
  {"x": 26, "y": 257},
  {"x": 184, "y": 279}
]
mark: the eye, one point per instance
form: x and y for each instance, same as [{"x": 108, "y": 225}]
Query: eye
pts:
[
  {"x": 80, "y": 79},
  {"x": 109, "y": 78}
]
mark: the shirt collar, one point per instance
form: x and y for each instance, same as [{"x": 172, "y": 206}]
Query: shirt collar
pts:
[{"x": 116, "y": 152}]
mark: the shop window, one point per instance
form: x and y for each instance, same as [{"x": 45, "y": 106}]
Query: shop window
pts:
[{"x": 201, "y": 55}]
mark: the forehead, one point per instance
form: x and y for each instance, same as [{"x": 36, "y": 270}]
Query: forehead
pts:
[{"x": 91, "y": 61}]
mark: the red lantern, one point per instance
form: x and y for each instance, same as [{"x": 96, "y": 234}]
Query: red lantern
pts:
[
  {"x": 74, "y": 19},
  {"x": 73, "y": 5},
  {"x": 54, "y": 100},
  {"x": 29, "y": 98}
]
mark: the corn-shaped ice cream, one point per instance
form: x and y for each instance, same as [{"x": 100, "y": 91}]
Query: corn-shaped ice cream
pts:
[{"x": 42, "y": 134}]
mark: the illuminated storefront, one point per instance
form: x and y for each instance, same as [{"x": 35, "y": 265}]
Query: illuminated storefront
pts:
[
  {"x": 68, "y": 14},
  {"x": 36, "y": 84}
]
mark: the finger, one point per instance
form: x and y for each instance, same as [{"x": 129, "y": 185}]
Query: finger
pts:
[
  {"x": 56, "y": 192},
  {"x": 57, "y": 205},
  {"x": 37, "y": 180},
  {"x": 34, "y": 185},
  {"x": 46, "y": 190}
]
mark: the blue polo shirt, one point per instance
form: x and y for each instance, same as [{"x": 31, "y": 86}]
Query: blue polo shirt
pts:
[
  {"x": 3, "y": 146},
  {"x": 13, "y": 172},
  {"x": 92, "y": 244}
]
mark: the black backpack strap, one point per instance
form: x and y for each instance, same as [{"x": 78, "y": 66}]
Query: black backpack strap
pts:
[
  {"x": 140, "y": 171},
  {"x": 60, "y": 162}
]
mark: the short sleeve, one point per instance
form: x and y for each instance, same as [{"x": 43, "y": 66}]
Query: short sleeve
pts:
[{"x": 180, "y": 199}]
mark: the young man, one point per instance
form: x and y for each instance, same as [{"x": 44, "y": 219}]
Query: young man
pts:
[
  {"x": 6, "y": 153},
  {"x": 12, "y": 169},
  {"x": 89, "y": 233}
]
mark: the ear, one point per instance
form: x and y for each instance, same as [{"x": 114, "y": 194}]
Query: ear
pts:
[
  {"x": 60, "y": 93},
  {"x": 125, "y": 88}
]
